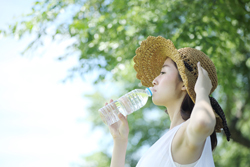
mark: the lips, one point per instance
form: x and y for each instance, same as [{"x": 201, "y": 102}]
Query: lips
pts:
[{"x": 153, "y": 90}]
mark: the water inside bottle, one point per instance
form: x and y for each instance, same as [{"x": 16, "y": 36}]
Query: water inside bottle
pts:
[{"x": 133, "y": 101}]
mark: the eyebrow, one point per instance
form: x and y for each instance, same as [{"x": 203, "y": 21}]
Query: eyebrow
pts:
[{"x": 165, "y": 65}]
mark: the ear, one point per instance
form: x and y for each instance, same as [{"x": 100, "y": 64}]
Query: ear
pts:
[{"x": 183, "y": 87}]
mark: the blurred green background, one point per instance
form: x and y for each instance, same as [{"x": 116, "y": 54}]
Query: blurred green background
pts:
[{"x": 106, "y": 34}]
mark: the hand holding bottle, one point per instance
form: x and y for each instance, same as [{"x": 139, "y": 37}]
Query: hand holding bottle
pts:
[{"x": 119, "y": 130}]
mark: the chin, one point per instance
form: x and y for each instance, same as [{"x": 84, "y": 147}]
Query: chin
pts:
[{"x": 157, "y": 102}]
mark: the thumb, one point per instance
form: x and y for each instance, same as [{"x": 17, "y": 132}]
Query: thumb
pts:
[
  {"x": 122, "y": 118},
  {"x": 199, "y": 68}
]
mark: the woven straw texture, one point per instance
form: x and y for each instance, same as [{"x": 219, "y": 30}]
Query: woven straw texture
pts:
[{"x": 153, "y": 52}]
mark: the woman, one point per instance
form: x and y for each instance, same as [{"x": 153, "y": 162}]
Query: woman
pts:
[{"x": 182, "y": 81}]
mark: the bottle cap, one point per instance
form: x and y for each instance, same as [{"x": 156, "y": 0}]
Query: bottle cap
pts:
[{"x": 149, "y": 91}]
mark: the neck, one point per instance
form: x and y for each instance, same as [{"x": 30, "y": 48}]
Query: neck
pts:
[
  {"x": 175, "y": 118},
  {"x": 174, "y": 113}
]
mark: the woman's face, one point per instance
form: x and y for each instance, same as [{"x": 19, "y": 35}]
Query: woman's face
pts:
[{"x": 167, "y": 86}]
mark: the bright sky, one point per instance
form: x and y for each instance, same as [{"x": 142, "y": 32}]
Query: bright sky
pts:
[{"x": 39, "y": 116}]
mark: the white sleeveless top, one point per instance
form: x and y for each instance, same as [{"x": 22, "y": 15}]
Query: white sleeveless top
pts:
[{"x": 159, "y": 154}]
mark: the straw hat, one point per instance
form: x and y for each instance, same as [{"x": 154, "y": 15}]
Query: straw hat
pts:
[{"x": 153, "y": 52}]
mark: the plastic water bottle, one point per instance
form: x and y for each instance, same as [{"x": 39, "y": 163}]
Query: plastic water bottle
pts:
[{"x": 126, "y": 105}]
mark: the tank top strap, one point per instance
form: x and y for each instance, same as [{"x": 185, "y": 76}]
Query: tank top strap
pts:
[
  {"x": 171, "y": 140},
  {"x": 175, "y": 129},
  {"x": 206, "y": 155}
]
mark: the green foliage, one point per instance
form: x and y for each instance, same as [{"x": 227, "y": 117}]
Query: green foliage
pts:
[
  {"x": 98, "y": 159},
  {"x": 232, "y": 154},
  {"x": 107, "y": 34}
]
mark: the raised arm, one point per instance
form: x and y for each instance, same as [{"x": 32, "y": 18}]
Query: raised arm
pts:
[{"x": 202, "y": 119}]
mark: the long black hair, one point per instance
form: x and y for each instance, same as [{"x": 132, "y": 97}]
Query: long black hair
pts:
[{"x": 186, "y": 110}]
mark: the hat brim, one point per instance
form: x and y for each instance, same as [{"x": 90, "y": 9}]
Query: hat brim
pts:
[{"x": 150, "y": 57}]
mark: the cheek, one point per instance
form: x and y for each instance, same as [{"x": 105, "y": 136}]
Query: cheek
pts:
[
  {"x": 166, "y": 91},
  {"x": 167, "y": 82}
]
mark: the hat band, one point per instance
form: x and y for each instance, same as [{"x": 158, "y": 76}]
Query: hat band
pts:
[
  {"x": 188, "y": 66},
  {"x": 219, "y": 111}
]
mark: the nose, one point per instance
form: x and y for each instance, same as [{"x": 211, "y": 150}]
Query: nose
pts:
[{"x": 154, "y": 82}]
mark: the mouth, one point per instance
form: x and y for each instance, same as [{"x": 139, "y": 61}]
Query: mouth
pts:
[{"x": 153, "y": 90}]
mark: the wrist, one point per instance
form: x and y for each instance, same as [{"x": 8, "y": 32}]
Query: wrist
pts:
[
  {"x": 201, "y": 97},
  {"x": 120, "y": 141},
  {"x": 202, "y": 92}
]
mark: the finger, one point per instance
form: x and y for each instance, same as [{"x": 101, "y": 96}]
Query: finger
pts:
[
  {"x": 111, "y": 100},
  {"x": 122, "y": 118},
  {"x": 200, "y": 71},
  {"x": 205, "y": 71}
]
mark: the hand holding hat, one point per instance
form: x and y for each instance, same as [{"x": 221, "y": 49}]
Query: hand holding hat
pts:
[{"x": 203, "y": 83}]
